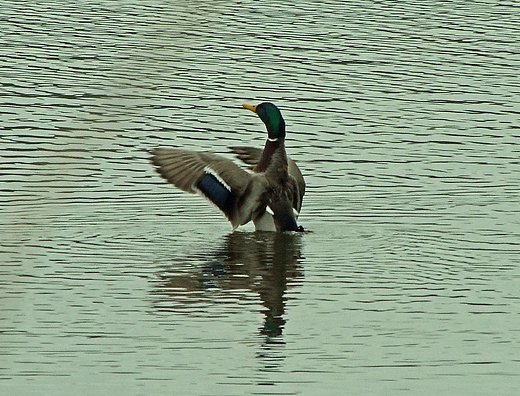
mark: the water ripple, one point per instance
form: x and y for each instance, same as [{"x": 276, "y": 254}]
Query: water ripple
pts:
[{"x": 404, "y": 119}]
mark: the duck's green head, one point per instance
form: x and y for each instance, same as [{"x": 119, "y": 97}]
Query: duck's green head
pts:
[{"x": 272, "y": 118}]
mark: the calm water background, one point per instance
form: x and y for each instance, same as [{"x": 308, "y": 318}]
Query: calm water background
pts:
[{"x": 405, "y": 121}]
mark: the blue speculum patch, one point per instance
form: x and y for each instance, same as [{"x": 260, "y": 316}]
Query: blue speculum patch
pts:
[{"x": 216, "y": 192}]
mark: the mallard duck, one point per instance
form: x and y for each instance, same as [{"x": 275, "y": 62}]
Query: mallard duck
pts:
[{"x": 269, "y": 193}]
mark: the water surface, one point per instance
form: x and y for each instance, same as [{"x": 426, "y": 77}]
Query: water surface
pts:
[{"x": 405, "y": 122}]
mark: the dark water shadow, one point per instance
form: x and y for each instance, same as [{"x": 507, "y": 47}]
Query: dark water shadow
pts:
[{"x": 264, "y": 263}]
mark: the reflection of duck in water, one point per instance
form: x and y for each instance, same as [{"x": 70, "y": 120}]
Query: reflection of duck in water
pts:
[
  {"x": 271, "y": 196},
  {"x": 261, "y": 262}
]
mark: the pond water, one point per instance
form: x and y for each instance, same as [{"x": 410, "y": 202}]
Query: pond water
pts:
[{"x": 405, "y": 121}]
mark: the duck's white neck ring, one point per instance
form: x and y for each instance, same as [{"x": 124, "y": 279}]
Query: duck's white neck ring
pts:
[{"x": 272, "y": 140}]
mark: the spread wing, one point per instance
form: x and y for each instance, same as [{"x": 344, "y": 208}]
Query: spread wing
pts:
[
  {"x": 217, "y": 178},
  {"x": 184, "y": 169}
]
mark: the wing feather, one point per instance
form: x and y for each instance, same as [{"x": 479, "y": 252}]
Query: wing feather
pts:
[
  {"x": 239, "y": 194},
  {"x": 184, "y": 168}
]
